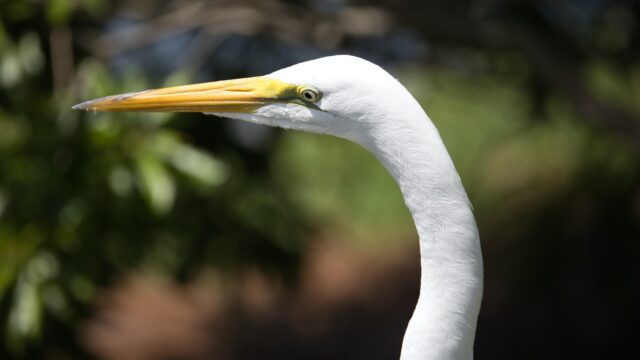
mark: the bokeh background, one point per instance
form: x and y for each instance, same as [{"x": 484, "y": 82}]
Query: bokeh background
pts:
[{"x": 161, "y": 236}]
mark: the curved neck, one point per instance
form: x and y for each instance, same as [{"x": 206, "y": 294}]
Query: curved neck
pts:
[{"x": 444, "y": 321}]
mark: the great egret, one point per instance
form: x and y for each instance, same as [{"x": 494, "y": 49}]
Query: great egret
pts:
[{"x": 351, "y": 98}]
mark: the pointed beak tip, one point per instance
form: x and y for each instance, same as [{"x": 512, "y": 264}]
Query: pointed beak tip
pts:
[
  {"x": 238, "y": 95},
  {"x": 83, "y": 106}
]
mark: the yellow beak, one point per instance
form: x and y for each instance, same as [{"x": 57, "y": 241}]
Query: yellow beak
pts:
[{"x": 239, "y": 95}]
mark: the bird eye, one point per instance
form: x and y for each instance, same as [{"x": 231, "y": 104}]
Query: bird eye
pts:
[{"x": 309, "y": 94}]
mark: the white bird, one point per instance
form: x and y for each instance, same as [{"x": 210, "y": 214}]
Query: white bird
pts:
[{"x": 354, "y": 99}]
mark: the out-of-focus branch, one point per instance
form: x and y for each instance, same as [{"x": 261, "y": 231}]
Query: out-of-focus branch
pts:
[
  {"x": 221, "y": 18},
  {"x": 61, "y": 57}
]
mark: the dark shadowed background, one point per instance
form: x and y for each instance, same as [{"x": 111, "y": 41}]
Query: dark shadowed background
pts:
[{"x": 161, "y": 236}]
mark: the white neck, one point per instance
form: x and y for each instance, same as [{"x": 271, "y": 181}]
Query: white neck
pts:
[{"x": 444, "y": 321}]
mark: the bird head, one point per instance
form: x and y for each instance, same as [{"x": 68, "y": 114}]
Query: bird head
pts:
[{"x": 334, "y": 95}]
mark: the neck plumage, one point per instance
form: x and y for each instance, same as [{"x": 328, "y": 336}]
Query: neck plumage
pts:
[{"x": 444, "y": 321}]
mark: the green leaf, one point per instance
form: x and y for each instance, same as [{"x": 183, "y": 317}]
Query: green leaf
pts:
[
  {"x": 156, "y": 183},
  {"x": 25, "y": 317},
  {"x": 59, "y": 11},
  {"x": 26, "y": 314},
  {"x": 30, "y": 54},
  {"x": 10, "y": 73},
  {"x": 189, "y": 160},
  {"x": 120, "y": 180}
]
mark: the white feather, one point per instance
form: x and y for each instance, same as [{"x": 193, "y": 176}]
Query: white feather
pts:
[{"x": 363, "y": 103}]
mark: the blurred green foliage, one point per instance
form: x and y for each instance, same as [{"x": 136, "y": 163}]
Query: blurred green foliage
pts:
[{"x": 84, "y": 197}]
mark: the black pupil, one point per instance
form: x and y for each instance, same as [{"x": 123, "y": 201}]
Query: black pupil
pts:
[{"x": 308, "y": 95}]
